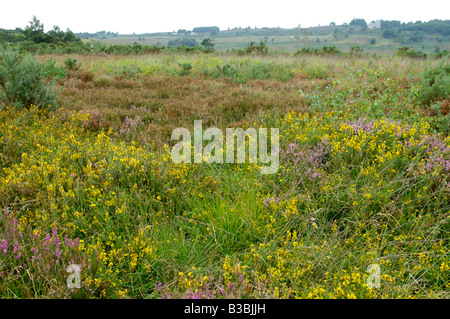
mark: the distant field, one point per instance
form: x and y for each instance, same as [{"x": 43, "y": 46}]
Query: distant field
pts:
[{"x": 294, "y": 39}]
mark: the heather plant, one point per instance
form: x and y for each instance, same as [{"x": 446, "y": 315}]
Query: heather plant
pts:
[{"x": 34, "y": 262}]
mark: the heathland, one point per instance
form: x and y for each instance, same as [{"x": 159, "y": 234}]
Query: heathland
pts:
[{"x": 87, "y": 178}]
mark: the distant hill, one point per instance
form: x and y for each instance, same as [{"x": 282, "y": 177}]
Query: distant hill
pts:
[{"x": 382, "y": 36}]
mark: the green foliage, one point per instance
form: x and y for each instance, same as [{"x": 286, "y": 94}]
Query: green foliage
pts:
[
  {"x": 435, "y": 84},
  {"x": 332, "y": 50},
  {"x": 356, "y": 49},
  {"x": 185, "y": 68},
  {"x": 318, "y": 71},
  {"x": 72, "y": 64},
  {"x": 390, "y": 33},
  {"x": 35, "y": 33},
  {"x": 258, "y": 49},
  {"x": 431, "y": 27},
  {"x": 385, "y": 24},
  {"x": 360, "y": 22},
  {"x": 211, "y": 30},
  {"x": 252, "y": 70},
  {"x": 51, "y": 71},
  {"x": 24, "y": 82},
  {"x": 408, "y": 52},
  {"x": 180, "y": 42},
  {"x": 207, "y": 43}
]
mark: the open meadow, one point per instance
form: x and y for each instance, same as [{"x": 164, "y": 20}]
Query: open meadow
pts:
[{"x": 363, "y": 180}]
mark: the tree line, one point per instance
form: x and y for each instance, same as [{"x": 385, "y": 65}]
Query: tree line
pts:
[{"x": 34, "y": 32}]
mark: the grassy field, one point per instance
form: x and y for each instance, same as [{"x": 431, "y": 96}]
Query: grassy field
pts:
[{"x": 363, "y": 180}]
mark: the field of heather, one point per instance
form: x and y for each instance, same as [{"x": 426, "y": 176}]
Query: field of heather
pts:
[{"x": 358, "y": 208}]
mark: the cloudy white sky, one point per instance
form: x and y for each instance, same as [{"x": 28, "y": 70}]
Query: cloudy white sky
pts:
[{"x": 128, "y": 16}]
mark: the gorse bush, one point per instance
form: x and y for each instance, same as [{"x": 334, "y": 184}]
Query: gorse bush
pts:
[{"x": 24, "y": 82}]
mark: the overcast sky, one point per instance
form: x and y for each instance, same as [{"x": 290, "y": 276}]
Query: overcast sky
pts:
[{"x": 128, "y": 16}]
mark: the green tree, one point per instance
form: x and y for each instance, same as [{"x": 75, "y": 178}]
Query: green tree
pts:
[
  {"x": 360, "y": 22},
  {"x": 56, "y": 35},
  {"x": 35, "y": 32},
  {"x": 207, "y": 43}
]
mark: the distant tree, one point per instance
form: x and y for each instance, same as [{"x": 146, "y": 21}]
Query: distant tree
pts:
[
  {"x": 373, "y": 41},
  {"x": 211, "y": 30},
  {"x": 70, "y": 37},
  {"x": 207, "y": 43},
  {"x": 332, "y": 24},
  {"x": 360, "y": 22},
  {"x": 390, "y": 33},
  {"x": 355, "y": 49},
  {"x": 35, "y": 31},
  {"x": 56, "y": 34},
  {"x": 262, "y": 48},
  {"x": 182, "y": 42},
  {"x": 385, "y": 24}
]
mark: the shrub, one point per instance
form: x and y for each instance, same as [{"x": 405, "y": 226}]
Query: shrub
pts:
[
  {"x": 72, "y": 64},
  {"x": 185, "y": 68},
  {"x": 258, "y": 49},
  {"x": 435, "y": 84},
  {"x": 408, "y": 52},
  {"x": 24, "y": 82},
  {"x": 53, "y": 71}
]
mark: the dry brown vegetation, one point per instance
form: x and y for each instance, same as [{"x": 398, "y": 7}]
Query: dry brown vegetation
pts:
[{"x": 163, "y": 103}]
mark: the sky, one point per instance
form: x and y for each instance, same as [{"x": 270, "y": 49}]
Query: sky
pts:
[{"x": 135, "y": 16}]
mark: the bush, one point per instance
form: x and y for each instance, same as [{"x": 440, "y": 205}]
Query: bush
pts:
[
  {"x": 23, "y": 82},
  {"x": 72, "y": 64},
  {"x": 185, "y": 68},
  {"x": 410, "y": 53},
  {"x": 262, "y": 48},
  {"x": 435, "y": 84}
]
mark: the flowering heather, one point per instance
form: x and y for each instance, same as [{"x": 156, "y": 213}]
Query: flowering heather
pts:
[
  {"x": 313, "y": 158},
  {"x": 361, "y": 124},
  {"x": 269, "y": 200},
  {"x": 131, "y": 124},
  {"x": 35, "y": 256}
]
